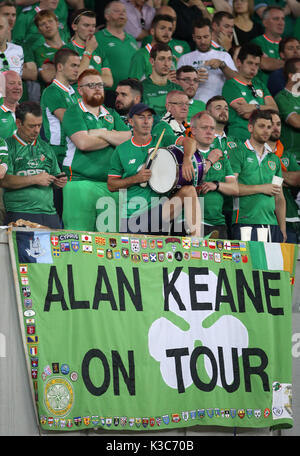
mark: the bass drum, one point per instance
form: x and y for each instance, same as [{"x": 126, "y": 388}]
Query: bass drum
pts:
[
  {"x": 198, "y": 164},
  {"x": 166, "y": 170}
]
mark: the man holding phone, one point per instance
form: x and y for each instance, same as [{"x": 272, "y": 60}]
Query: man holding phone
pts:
[{"x": 32, "y": 170}]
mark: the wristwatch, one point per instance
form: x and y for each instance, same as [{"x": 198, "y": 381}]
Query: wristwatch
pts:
[
  {"x": 217, "y": 184},
  {"x": 222, "y": 65}
]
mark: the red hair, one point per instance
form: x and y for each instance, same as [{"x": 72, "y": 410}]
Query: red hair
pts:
[{"x": 88, "y": 72}]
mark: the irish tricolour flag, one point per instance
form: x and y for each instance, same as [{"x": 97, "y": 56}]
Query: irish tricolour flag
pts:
[{"x": 274, "y": 256}]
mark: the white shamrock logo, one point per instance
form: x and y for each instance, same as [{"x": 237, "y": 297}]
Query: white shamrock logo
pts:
[{"x": 226, "y": 332}]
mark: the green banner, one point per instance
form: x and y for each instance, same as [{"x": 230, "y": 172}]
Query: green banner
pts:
[{"x": 151, "y": 333}]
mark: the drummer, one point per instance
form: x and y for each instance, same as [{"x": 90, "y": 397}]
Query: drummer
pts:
[{"x": 143, "y": 210}]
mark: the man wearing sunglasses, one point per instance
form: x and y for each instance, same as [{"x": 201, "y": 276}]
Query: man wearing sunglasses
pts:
[
  {"x": 93, "y": 131},
  {"x": 246, "y": 93}
]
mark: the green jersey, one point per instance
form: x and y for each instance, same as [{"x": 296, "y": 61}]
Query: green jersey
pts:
[
  {"x": 254, "y": 170},
  {"x": 195, "y": 107},
  {"x": 92, "y": 165},
  {"x": 288, "y": 104},
  {"x": 99, "y": 60},
  {"x": 119, "y": 53},
  {"x": 226, "y": 144},
  {"x": 3, "y": 153},
  {"x": 141, "y": 67},
  {"x": 54, "y": 97},
  {"x": 7, "y": 122},
  {"x": 155, "y": 95},
  {"x": 214, "y": 200},
  {"x": 26, "y": 32},
  {"x": 235, "y": 90},
  {"x": 288, "y": 163},
  {"x": 290, "y": 21},
  {"x": 26, "y": 160},
  {"x": 42, "y": 54},
  {"x": 125, "y": 162},
  {"x": 179, "y": 47},
  {"x": 271, "y": 49}
]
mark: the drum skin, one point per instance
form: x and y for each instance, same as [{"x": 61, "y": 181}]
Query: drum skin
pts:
[{"x": 164, "y": 171}]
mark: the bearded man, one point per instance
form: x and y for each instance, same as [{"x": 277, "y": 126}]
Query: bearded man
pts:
[{"x": 92, "y": 131}]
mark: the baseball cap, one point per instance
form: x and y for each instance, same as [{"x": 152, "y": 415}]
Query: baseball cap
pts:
[{"x": 139, "y": 108}]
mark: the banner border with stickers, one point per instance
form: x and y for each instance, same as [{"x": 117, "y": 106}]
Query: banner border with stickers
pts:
[{"x": 138, "y": 251}]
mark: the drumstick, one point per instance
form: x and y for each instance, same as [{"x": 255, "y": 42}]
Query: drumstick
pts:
[{"x": 152, "y": 156}]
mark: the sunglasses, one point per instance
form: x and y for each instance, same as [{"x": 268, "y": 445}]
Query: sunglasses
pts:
[
  {"x": 4, "y": 60},
  {"x": 253, "y": 90}
]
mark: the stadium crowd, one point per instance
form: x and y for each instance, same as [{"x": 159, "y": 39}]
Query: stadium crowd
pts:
[{"x": 127, "y": 115}]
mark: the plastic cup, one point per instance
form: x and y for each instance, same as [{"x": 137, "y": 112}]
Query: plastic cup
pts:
[
  {"x": 262, "y": 234},
  {"x": 246, "y": 233},
  {"x": 277, "y": 180}
]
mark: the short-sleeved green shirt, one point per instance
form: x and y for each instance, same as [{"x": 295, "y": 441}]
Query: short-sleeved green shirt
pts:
[
  {"x": 119, "y": 53},
  {"x": 271, "y": 49},
  {"x": 288, "y": 104},
  {"x": 234, "y": 90},
  {"x": 179, "y": 47},
  {"x": 290, "y": 21},
  {"x": 141, "y": 67},
  {"x": 54, "y": 97},
  {"x": 226, "y": 144},
  {"x": 257, "y": 208},
  {"x": 214, "y": 200},
  {"x": 43, "y": 54},
  {"x": 7, "y": 122},
  {"x": 155, "y": 95},
  {"x": 125, "y": 162},
  {"x": 99, "y": 60},
  {"x": 29, "y": 159},
  {"x": 92, "y": 165},
  {"x": 195, "y": 107},
  {"x": 289, "y": 163},
  {"x": 26, "y": 32}
]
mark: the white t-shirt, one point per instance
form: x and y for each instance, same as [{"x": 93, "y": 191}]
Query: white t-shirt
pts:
[
  {"x": 216, "y": 78},
  {"x": 15, "y": 57}
]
